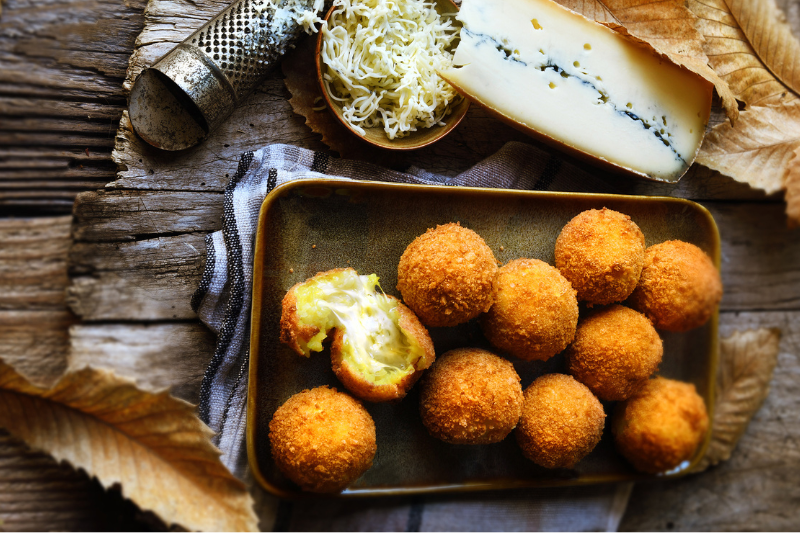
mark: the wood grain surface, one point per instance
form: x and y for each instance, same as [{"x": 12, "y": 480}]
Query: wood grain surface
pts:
[
  {"x": 138, "y": 252},
  {"x": 62, "y": 65}
]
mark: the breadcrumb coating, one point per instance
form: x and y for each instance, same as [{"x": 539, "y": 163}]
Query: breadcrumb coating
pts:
[
  {"x": 679, "y": 288},
  {"x": 660, "y": 426},
  {"x": 322, "y": 439},
  {"x": 561, "y": 422},
  {"x": 535, "y": 311},
  {"x": 470, "y": 396},
  {"x": 445, "y": 275},
  {"x": 601, "y": 253},
  {"x": 616, "y": 350}
]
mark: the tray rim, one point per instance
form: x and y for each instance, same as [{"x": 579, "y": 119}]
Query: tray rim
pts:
[{"x": 255, "y": 321}]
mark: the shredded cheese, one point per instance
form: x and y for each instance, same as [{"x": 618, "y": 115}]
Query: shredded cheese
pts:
[
  {"x": 308, "y": 18},
  {"x": 382, "y": 57},
  {"x": 284, "y": 13}
]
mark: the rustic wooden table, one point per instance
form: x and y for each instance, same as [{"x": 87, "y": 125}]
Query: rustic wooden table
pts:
[{"x": 111, "y": 287}]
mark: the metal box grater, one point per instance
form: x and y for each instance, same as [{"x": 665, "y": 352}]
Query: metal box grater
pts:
[{"x": 186, "y": 94}]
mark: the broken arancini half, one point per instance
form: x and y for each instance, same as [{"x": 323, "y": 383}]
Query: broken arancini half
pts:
[{"x": 379, "y": 348}]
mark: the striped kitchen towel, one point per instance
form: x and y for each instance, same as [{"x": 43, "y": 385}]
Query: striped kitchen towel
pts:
[{"x": 222, "y": 301}]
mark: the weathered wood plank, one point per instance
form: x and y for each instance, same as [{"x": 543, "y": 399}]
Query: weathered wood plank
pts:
[
  {"x": 62, "y": 63},
  {"x": 35, "y": 107},
  {"x": 760, "y": 257},
  {"x": 50, "y": 140},
  {"x": 34, "y": 318},
  {"x": 82, "y": 45},
  {"x": 124, "y": 215},
  {"x": 39, "y": 494},
  {"x": 11, "y": 197},
  {"x": 264, "y": 118},
  {"x": 757, "y": 489},
  {"x": 157, "y": 356},
  {"x": 54, "y": 124},
  {"x": 33, "y": 263},
  {"x": 152, "y": 279},
  {"x": 24, "y": 153},
  {"x": 36, "y": 343}
]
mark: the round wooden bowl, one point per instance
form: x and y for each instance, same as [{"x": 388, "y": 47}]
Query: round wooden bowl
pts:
[{"x": 376, "y": 136}]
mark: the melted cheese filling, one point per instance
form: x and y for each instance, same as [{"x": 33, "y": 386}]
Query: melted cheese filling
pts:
[{"x": 373, "y": 341}]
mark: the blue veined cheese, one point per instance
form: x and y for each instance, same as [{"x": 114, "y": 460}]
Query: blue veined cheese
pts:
[{"x": 555, "y": 74}]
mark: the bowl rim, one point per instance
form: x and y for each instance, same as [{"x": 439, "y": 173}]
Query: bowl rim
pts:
[{"x": 453, "y": 119}]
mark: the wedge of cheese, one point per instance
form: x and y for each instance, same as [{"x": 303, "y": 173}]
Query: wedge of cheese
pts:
[{"x": 580, "y": 86}]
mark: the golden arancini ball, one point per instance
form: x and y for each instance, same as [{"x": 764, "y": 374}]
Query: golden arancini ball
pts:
[
  {"x": 601, "y": 253},
  {"x": 322, "y": 439},
  {"x": 535, "y": 312},
  {"x": 561, "y": 422},
  {"x": 445, "y": 275},
  {"x": 470, "y": 396},
  {"x": 679, "y": 288},
  {"x": 615, "y": 351},
  {"x": 660, "y": 426}
]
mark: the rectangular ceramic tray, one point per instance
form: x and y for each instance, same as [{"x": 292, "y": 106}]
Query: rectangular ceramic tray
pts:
[{"x": 307, "y": 227}]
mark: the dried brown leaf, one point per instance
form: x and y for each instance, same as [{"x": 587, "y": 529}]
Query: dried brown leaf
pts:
[
  {"x": 747, "y": 360},
  {"x": 591, "y": 9},
  {"x": 734, "y": 59},
  {"x": 771, "y": 37},
  {"x": 792, "y": 185},
  {"x": 666, "y": 25},
  {"x": 758, "y": 150},
  {"x": 152, "y": 445}
]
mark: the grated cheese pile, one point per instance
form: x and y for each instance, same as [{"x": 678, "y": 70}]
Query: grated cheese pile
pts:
[
  {"x": 289, "y": 12},
  {"x": 382, "y": 57},
  {"x": 308, "y": 18}
]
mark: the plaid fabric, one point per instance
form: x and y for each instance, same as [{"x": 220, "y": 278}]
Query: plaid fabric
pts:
[{"x": 222, "y": 299}]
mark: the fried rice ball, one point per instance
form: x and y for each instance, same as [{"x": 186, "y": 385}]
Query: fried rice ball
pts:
[
  {"x": 679, "y": 288},
  {"x": 445, "y": 275},
  {"x": 660, "y": 426},
  {"x": 616, "y": 350},
  {"x": 601, "y": 253},
  {"x": 322, "y": 439},
  {"x": 562, "y": 421},
  {"x": 379, "y": 348},
  {"x": 470, "y": 396},
  {"x": 535, "y": 311}
]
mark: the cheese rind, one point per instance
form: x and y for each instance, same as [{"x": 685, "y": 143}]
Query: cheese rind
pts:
[{"x": 582, "y": 84}]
